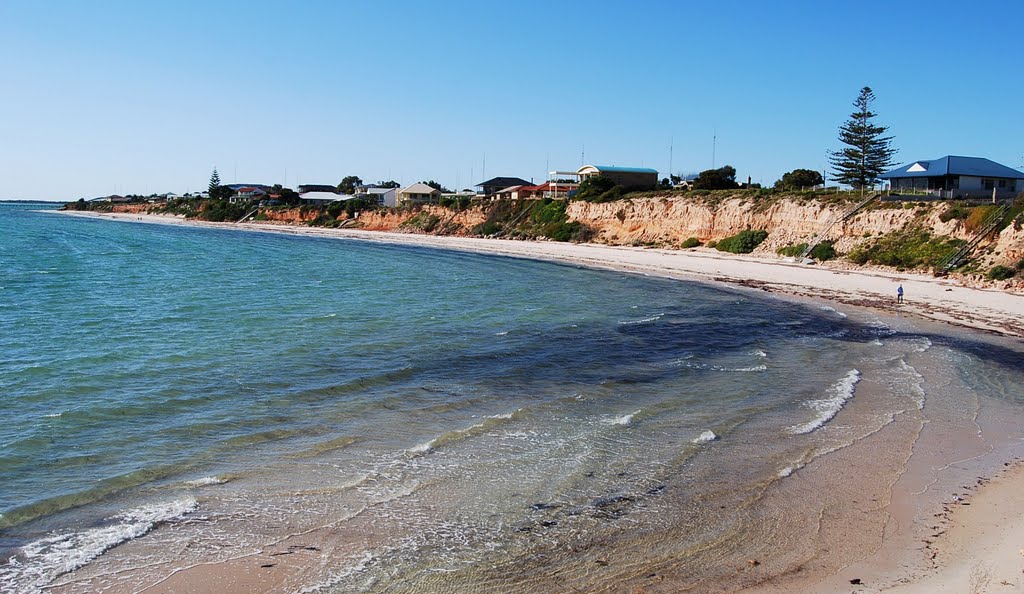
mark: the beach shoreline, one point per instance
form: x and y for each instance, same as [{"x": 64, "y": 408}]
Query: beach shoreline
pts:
[{"x": 987, "y": 523}]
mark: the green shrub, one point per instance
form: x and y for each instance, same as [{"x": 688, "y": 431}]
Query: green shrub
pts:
[
  {"x": 423, "y": 221},
  {"x": 690, "y": 242},
  {"x": 743, "y": 242},
  {"x": 712, "y": 244},
  {"x": 792, "y": 250},
  {"x": 487, "y": 228},
  {"x": 958, "y": 211},
  {"x": 221, "y": 210},
  {"x": 909, "y": 248},
  {"x": 825, "y": 250},
  {"x": 549, "y": 211},
  {"x": 593, "y": 189},
  {"x": 1001, "y": 272},
  {"x": 563, "y": 231},
  {"x": 1020, "y": 264}
]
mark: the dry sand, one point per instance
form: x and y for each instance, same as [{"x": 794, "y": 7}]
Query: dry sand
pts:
[{"x": 979, "y": 545}]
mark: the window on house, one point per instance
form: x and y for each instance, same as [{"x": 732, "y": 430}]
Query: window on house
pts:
[
  {"x": 988, "y": 184},
  {"x": 1002, "y": 183}
]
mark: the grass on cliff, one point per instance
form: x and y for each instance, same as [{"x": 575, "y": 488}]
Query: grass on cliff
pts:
[{"x": 907, "y": 248}]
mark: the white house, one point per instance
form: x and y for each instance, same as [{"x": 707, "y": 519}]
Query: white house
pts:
[
  {"x": 956, "y": 177},
  {"x": 384, "y": 196},
  {"x": 418, "y": 194}
]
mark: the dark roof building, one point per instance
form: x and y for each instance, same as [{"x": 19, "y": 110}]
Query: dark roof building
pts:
[
  {"x": 236, "y": 187},
  {"x": 303, "y": 188},
  {"x": 956, "y": 177},
  {"x": 500, "y": 183}
]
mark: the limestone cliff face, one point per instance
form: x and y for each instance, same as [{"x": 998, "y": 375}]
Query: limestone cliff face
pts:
[
  {"x": 673, "y": 220},
  {"x": 670, "y": 221},
  {"x": 448, "y": 222}
]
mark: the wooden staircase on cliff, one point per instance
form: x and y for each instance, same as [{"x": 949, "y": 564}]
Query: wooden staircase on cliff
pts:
[
  {"x": 515, "y": 221},
  {"x": 251, "y": 212},
  {"x": 989, "y": 225},
  {"x": 839, "y": 218}
]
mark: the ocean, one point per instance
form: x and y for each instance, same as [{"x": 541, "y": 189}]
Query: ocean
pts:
[{"x": 184, "y": 405}]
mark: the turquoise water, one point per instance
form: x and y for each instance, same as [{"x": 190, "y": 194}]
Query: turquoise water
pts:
[{"x": 167, "y": 384}]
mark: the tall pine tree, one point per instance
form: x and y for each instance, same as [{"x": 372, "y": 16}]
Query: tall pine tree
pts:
[
  {"x": 868, "y": 154},
  {"x": 214, "y": 181}
]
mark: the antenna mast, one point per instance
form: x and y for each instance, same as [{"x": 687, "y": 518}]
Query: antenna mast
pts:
[{"x": 671, "y": 142}]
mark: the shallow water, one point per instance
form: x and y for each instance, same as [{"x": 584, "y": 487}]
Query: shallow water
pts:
[{"x": 414, "y": 419}]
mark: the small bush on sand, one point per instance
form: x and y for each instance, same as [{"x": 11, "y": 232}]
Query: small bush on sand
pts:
[
  {"x": 743, "y": 242},
  {"x": 690, "y": 242}
]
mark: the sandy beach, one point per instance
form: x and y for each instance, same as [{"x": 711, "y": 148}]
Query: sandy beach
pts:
[{"x": 976, "y": 543}]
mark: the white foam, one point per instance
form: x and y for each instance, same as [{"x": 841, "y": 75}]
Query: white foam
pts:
[
  {"x": 335, "y": 578},
  {"x": 917, "y": 392},
  {"x": 759, "y": 353},
  {"x": 647, "y": 320},
  {"x": 501, "y": 333},
  {"x": 422, "y": 448},
  {"x": 922, "y": 345},
  {"x": 206, "y": 481},
  {"x": 40, "y": 562},
  {"x": 624, "y": 420},
  {"x": 744, "y": 369},
  {"x": 55, "y": 415},
  {"x": 833, "y": 310},
  {"x": 705, "y": 437},
  {"x": 828, "y": 407}
]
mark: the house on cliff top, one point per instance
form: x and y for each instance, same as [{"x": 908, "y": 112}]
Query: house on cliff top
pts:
[
  {"x": 631, "y": 178},
  {"x": 495, "y": 184},
  {"x": 956, "y": 177},
  {"x": 418, "y": 194}
]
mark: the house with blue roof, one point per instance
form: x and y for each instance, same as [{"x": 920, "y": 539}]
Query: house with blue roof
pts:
[
  {"x": 631, "y": 178},
  {"x": 956, "y": 177}
]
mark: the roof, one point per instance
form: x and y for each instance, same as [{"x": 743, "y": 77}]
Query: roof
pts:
[
  {"x": 953, "y": 165},
  {"x": 322, "y": 196},
  {"x": 617, "y": 169},
  {"x": 236, "y": 186},
  {"x": 419, "y": 189},
  {"x": 303, "y": 188},
  {"x": 508, "y": 189},
  {"x": 554, "y": 186},
  {"x": 503, "y": 182}
]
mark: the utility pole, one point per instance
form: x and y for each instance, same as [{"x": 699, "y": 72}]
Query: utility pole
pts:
[
  {"x": 671, "y": 142},
  {"x": 714, "y": 146}
]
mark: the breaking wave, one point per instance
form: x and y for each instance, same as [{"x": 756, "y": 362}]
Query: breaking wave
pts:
[
  {"x": 828, "y": 407},
  {"x": 40, "y": 562}
]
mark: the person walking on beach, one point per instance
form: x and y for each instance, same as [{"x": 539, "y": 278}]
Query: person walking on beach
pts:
[{"x": 899, "y": 294}]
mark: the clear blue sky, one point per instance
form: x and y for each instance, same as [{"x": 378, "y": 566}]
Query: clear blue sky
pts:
[{"x": 130, "y": 97}]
